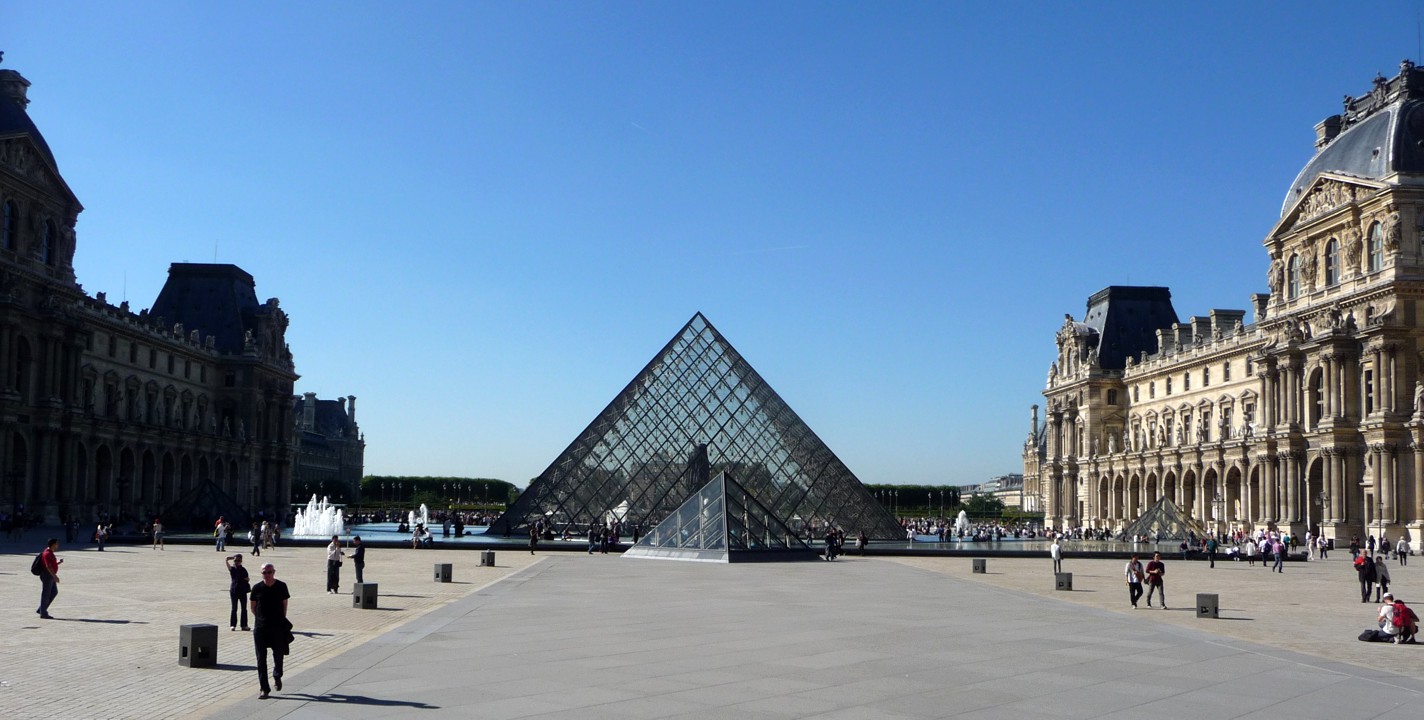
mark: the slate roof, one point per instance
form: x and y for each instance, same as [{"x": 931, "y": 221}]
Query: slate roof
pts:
[
  {"x": 1382, "y": 134},
  {"x": 15, "y": 122},
  {"x": 1127, "y": 319},
  {"x": 218, "y": 299}
]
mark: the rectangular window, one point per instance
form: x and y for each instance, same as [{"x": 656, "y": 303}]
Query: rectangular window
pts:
[
  {"x": 202, "y": 373},
  {"x": 133, "y": 353},
  {"x": 152, "y": 358},
  {"x": 113, "y": 346},
  {"x": 1226, "y": 371},
  {"x": 230, "y": 380},
  {"x": 1186, "y": 381},
  {"x": 187, "y": 368},
  {"x": 1369, "y": 392},
  {"x": 170, "y": 364},
  {"x": 1112, "y": 397},
  {"x": 1206, "y": 377}
]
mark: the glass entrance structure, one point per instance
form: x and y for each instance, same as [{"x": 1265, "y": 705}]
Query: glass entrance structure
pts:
[
  {"x": 722, "y": 522},
  {"x": 696, "y": 410}
]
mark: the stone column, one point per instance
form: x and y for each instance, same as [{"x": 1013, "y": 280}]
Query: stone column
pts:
[
  {"x": 1388, "y": 458},
  {"x": 1268, "y": 487},
  {"x": 1417, "y": 506},
  {"x": 1327, "y": 484},
  {"x": 1292, "y": 486},
  {"x": 1391, "y": 397}
]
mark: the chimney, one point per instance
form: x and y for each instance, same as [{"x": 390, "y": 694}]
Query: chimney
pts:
[
  {"x": 309, "y": 411},
  {"x": 1326, "y": 130},
  {"x": 351, "y": 413}
]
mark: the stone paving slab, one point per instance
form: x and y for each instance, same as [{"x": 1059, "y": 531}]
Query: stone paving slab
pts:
[
  {"x": 113, "y": 651},
  {"x": 606, "y": 637}
]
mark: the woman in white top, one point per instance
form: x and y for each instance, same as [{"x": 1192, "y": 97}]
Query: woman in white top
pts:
[{"x": 333, "y": 564}]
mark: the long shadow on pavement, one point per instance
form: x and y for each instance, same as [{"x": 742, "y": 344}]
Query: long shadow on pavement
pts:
[{"x": 359, "y": 700}]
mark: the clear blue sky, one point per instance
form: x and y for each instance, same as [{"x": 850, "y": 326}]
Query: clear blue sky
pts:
[{"x": 485, "y": 218}]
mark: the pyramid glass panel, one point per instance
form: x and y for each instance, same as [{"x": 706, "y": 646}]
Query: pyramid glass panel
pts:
[
  {"x": 696, "y": 410},
  {"x": 721, "y": 522},
  {"x": 1166, "y": 521}
]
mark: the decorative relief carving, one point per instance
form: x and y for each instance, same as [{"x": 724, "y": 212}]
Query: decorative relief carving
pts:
[{"x": 1326, "y": 197}]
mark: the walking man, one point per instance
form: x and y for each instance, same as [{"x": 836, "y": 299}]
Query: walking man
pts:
[
  {"x": 1134, "y": 573},
  {"x": 1365, "y": 569},
  {"x": 49, "y": 577},
  {"x": 1211, "y": 551},
  {"x": 1402, "y": 550},
  {"x": 1278, "y": 549},
  {"x": 1155, "y": 581},
  {"x": 270, "y": 628},
  {"x": 1055, "y": 551},
  {"x": 358, "y": 558}
]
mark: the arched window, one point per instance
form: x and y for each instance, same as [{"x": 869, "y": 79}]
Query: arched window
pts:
[
  {"x": 9, "y": 222},
  {"x": 1332, "y": 263},
  {"x": 1375, "y": 250},
  {"x": 1293, "y": 278}
]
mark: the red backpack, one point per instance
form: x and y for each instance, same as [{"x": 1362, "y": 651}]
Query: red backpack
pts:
[{"x": 1402, "y": 614}]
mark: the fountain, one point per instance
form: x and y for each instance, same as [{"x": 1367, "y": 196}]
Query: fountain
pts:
[
  {"x": 961, "y": 524},
  {"x": 318, "y": 519},
  {"x": 422, "y": 519}
]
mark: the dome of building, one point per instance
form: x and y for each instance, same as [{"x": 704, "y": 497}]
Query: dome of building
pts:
[{"x": 1378, "y": 135}]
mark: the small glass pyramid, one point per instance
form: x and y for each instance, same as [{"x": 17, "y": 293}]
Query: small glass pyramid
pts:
[
  {"x": 722, "y": 522},
  {"x": 1164, "y": 520}
]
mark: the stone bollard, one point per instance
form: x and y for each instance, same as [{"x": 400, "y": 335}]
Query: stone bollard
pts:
[
  {"x": 363, "y": 596},
  {"x": 198, "y": 645},
  {"x": 443, "y": 572},
  {"x": 486, "y": 558},
  {"x": 981, "y": 566},
  {"x": 1207, "y": 605},
  {"x": 1062, "y": 581}
]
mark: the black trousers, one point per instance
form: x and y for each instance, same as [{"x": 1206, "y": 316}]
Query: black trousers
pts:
[
  {"x": 1365, "y": 587},
  {"x": 333, "y": 574},
  {"x": 1134, "y": 592},
  {"x": 262, "y": 647},
  {"x": 360, "y": 569},
  {"x": 239, "y": 600}
]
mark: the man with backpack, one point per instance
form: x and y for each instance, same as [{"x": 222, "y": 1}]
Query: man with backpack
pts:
[
  {"x": 1397, "y": 622},
  {"x": 46, "y": 565}
]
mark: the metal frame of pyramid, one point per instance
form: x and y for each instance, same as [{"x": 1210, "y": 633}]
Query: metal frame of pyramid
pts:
[
  {"x": 205, "y": 503},
  {"x": 1164, "y": 519},
  {"x": 721, "y": 522},
  {"x": 697, "y": 409}
]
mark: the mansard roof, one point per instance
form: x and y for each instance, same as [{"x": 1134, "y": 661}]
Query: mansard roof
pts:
[
  {"x": 1377, "y": 135},
  {"x": 218, "y": 299},
  {"x": 1127, "y": 319},
  {"x": 15, "y": 122}
]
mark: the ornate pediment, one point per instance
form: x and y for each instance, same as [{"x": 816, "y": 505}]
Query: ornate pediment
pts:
[
  {"x": 20, "y": 157},
  {"x": 1328, "y": 194}
]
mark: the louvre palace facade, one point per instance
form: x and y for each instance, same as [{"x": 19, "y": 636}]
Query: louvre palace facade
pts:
[
  {"x": 104, "y": 410},
  {"x": 1306, "y": 417}
]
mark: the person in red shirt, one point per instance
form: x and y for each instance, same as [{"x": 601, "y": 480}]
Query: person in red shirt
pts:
[
  {"x": 49, "y": 579},
  {"x": 1156, "y": 584}
]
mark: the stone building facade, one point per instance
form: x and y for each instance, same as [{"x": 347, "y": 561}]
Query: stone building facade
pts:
[
  {"x": 1309, "y": 417},
  {"x": 331, "y": 452},
  {"x": 107, "y": 410}
]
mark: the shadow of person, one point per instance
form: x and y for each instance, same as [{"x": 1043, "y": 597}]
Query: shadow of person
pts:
[
  {"x": 359, "y": 700},
  {"x": 106, "y": 622}
]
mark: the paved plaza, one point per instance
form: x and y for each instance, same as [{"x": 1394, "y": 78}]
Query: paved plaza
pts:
[{"x": 572, "y": 636}]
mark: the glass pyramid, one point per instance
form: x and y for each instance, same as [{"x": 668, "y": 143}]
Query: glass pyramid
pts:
[
  {"x": 696, "y": 410},
  {"x": 1165, "y": 520},
  {"x": 722, "y": 522}
]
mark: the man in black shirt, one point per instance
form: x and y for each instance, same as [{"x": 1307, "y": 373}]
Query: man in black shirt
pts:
[
  {"x": 358, "y": 558},
  {"x": 270, "y": 628}
]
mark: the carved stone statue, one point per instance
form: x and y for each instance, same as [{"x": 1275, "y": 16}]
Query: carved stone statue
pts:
[
  {"x": 1112, "y": 443},
  {"x": 1275, "y": 277},
  {"x": 1419, "y": 397},
  {"x": 1353, "y": 247},
  {"x": 1391, "y": 232},
  {"x": 1308, "y": 266}
]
